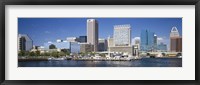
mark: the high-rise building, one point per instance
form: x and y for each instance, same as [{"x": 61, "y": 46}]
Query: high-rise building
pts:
[
  {"x": 121, "y": 42},
  {"x": 144, "y": 40},
  {"x": 148, "y": 41},
  {"x": 155, "y": 42},
  {"x": 175, "y": 40},
  {"x": 103, "y": 45},
  {"x": 92, "y": 33},
  {"x": 25, "y": 43},
  {"x": 174, "y": 32},
  {"x": 176, "y": 44},
  {"x": 82, "y": 39},
  {"x": 155, "y": 39},
  {"x": 122, "y": 35}
]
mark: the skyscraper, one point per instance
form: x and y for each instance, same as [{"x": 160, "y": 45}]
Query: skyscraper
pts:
[
  {"x": 121, "y": 42},
  {"x": 92, "y": 33},
  {"x": 144, "y": 40},
  {"x": 25, "y": 43},
  {"x": 155, "y": 39},
  {"x": 155, "y": 42},
  {"x": 122, "y": 35},
  {"x": 148, "y": 40},
  {"x": 174, "y": 32},
  {"x": 175, "y": 40}
]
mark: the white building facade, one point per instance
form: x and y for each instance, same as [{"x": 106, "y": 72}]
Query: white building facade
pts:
[{"x": 122, "y": 35}]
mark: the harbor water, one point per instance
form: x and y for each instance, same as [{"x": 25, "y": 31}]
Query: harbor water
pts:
[{"x": 144, "y": 62}]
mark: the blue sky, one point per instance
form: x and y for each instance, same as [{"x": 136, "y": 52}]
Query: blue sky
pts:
[{"x": 42, "y": 30}]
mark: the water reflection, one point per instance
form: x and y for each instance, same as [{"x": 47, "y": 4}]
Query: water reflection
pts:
[{"x": 148, "y": 62}]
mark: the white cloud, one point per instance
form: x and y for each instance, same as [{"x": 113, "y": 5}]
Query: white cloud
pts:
[
  {"x": 47, "y": 32},
  {"x": 133, "y": 40},
  {"x": 160, "y": 39},
  {"x": 137, "y": 38}
]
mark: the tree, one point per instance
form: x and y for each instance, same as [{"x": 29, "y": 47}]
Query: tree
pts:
[
  {"x": 148, "y": 54},
  {"x": 163, "y": 54},
  {"x": 92, "y": 53},
  {"x": 32, "y": 54},
  {"x": 102, "y": 55},
  {"x": 37, "y": 53},
  {"x": 82, "y": 54},
  {"x": 21, "y": 53},
  {"x": 61, "y": 53},
  {"x": 46, "y": 54},
  {"x": 66, "y": 51},
  {"x": 55, "y": 54},
  {"x": 179, "y": 54},
  {"x": 26, "y": 53},
  {"x": 52, "y": 46}
]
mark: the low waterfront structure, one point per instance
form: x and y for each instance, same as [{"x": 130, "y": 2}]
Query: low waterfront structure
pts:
[
  {"x": 85, "y": 47},
  {"x": 122, "y": 49}
]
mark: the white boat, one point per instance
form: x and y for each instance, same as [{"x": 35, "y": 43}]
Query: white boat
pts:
[{"x": 52, "y": 58}]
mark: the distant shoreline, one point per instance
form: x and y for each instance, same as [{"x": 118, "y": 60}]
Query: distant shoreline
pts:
[{"x": 76, "y": 59}]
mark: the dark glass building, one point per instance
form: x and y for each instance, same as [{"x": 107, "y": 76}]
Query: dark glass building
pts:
[
  {"x": 22, "y": 43},
  {"x": 82, "y": 39},
  {"x": 25, "y": 43}
]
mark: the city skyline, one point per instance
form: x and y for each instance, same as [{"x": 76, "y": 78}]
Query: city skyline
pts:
[{"x": 42, "y": 30}]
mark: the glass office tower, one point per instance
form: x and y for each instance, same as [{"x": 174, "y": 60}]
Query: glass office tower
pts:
[{"x": 148, "y": 41}]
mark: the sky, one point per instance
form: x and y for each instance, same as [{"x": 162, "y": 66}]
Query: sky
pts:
[{"x": 42, "y": 30}]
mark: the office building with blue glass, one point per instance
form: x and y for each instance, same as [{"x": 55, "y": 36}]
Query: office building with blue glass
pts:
[
  {"x": 75, "y": 47},
  {"x": 148, "y": 41},
  {"x": 162, "y": 47}
]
